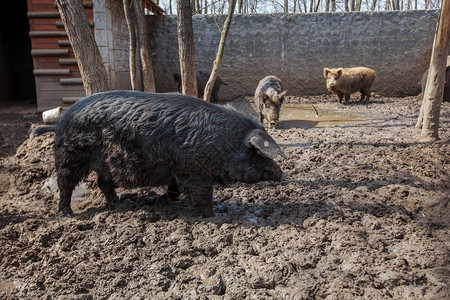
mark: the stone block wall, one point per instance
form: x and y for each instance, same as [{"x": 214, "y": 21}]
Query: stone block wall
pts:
[
  {"x": 111, "y": 35},
  {"x": 296, "y": 48}
]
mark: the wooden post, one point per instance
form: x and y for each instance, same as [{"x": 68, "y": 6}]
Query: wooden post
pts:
[
  {"x": 92, "y": 69},
  {"x": 428, "y": 119},
  {"x": 223, "y": 37},
  {"x": 132, "y": 45},
  {"x": 186, "y": 48},
  {"x": 148, "y": 78}
]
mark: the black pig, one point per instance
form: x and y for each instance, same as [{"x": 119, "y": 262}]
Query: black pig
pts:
[
  {"x": 268, "y": 99},
  {"x": 136, "y": 139},
  {"x": 202, "y": 80}
]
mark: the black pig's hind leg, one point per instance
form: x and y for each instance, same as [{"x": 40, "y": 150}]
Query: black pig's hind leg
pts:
[
  {"x": 107, "y": 188},
  {"x": 67, "y": 179}
]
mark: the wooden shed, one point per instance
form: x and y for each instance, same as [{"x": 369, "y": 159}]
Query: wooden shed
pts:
[{"x": 57, "y": 76}]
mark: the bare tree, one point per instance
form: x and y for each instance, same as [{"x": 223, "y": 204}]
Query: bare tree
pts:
[
  {"x": 280, "y": 6},
  {"x": 431, "y": 105},
  {"x": 374, "y": 5},
  {"x": 148, "y": 77},
  {"x": 186, "y": 48},
  {"x": 92, "y": 69},
  {"x": 132, "y": 45},
  {"x": 316, "y": 9},
  {"x": 223, "y": 37},
  {"x": 395, "y": 5}
]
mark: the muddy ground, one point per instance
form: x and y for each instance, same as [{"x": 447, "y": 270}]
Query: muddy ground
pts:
[{"x": 362, "y": 213}]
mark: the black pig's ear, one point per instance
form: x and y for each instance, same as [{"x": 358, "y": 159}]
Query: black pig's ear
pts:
[{"x": 263, "y": 144}]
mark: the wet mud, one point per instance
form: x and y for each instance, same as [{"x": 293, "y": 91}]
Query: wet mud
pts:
[{"x": 361, "y": 213}]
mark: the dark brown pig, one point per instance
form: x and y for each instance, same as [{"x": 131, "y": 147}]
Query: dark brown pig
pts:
[
  {"x": 345, "y": 81},
  {"x": 269, "y": 97},
  {"x": 202, "y": 80}
]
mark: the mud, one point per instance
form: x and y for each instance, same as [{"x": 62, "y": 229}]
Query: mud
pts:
[{"x": 362, "y": 213}]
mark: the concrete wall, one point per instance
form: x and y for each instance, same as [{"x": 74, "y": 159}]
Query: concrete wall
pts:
[
  {"x": 296, "y": 48},
  {"x": 111, "y": 35}
]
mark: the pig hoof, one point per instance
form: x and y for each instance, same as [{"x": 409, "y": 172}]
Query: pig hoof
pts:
[
  {"x": 67, "y": 212},
  {"x": 208, "y": 213}
]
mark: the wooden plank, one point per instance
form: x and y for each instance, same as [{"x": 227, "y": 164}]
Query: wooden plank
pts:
[
  {"x": 49, "y": 52},
  {"x": 86, "y": 4},
  {"x": 59, "y": 24},
  {"x": 71, "y": 81},
  {"x": 48, "y": 34},
  {"x": 64, "y": 43},
  {"x": 67, "y": 61},
  {"x": 51, "y": 72},
  {"x": 51, "y": 83},
  {"x": 43, "y": 14}
]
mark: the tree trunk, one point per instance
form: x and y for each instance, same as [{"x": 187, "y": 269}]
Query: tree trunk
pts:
[
  {"x": 374, "y": 5},
  {"x": 395, "y": 5},
  {"x": 148, "y": 77},
  {"x": 286, "y": 6},
  {"x": 92, "y": 69},
  {"x": 132, "y": 45},
  {"x": 199, "y": 10},
  {"x": 186, "y": 48},
  {"x": 316, "y": 9},
  {"x": 431, "y": 105},
  {"x": 223, "y": 37}
]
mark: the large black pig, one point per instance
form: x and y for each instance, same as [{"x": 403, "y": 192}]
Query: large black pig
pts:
[
  {"x": 136, "y": 139},
  {"x": 202, "y": 80},
  {"x": 268, "y": 99}
]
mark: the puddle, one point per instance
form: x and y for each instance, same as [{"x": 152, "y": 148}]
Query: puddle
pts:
[{"x": 308, "y": 116}]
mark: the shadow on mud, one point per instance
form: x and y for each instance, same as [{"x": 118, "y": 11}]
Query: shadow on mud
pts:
[{"x": 265, "y": 212}]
